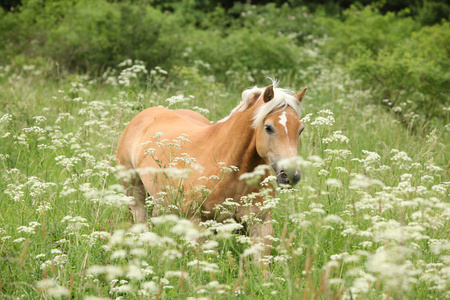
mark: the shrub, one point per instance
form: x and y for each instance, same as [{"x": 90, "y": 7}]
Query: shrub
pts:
[
  {"x": 365, "y": 29},
  {"x": 400, "y": 61},
  {"x": 101, "y": 34},
  {"x": 433, "y": 12},
  {"x": 296, "y": 23},
  {"x": 89, "y": 35},
  {"x": 416, "y": 69},
  {"x": 244, "y": 51}
]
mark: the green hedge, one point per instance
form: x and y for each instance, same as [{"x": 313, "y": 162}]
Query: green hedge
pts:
[
  {"x": 88, "y": 36},
  {"x": 407, "y": 66}
]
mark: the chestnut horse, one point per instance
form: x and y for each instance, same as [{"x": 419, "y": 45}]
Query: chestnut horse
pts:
[{"x": 263, "y": 129}]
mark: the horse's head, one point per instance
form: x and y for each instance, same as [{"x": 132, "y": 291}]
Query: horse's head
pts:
[{"x": 277, "y": 132}]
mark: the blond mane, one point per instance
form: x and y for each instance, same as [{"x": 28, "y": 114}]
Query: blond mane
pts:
[{"x": 282, "y": 98}]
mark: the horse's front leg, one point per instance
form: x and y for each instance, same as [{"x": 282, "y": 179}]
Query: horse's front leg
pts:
[
  {"x": 135, "y": 189},
  {"x": 263, "y": 233},
  {"x": 138, "y": 209}
]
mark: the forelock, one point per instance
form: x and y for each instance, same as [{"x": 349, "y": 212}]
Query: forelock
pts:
[{"x": 282, "y": 99}]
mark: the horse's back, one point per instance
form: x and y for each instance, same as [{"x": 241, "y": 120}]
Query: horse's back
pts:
[
  {"x": 193, "y": 116},
  {"x": 155, "y": 119}
]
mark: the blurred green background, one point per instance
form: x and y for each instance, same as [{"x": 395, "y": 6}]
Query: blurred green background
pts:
[{"x": 399, "y": 49}]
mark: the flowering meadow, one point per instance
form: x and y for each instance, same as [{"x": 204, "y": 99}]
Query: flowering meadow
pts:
[{"x": 370, "y": 218}]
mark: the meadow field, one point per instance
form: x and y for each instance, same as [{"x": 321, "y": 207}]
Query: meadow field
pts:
[{"x": 370, "y": 218}]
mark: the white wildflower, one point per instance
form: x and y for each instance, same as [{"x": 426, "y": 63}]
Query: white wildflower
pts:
[
  {"x": 150, "y": 286},
  {"x": 401, "y": 159},
  {"x": 210, "y": 244},
  {"x": 333, "y": 182},
  {"x": 333, "y": 219},
  {"x": 336, "y": 136},
  {"x": 6, "y": 118},
  {"x": 254, "y": 249},
  {"x": 338, "y": 154},
  {"x": 118, "y": 254},
  {"x": 323, "y": 121},
  {"x": 51, "y": 288},
  {"x": 204, "y": 266},
  {"x": 178, "y": 274},
  {"x": 362, "y": 181},
  {"x": 172, "y": 254},
  {"x": 186, "y": 228},
  {"x": 178, "y": 99}
]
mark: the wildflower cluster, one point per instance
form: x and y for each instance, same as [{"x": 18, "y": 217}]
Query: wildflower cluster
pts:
[
  {"x": 131, "y": 72},
  {"x": 178, "y": 99}
]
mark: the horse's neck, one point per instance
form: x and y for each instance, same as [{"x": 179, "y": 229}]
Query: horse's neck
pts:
[{"x": 237, "y": 144}]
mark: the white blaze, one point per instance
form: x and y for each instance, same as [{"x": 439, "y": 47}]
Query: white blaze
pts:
[{"x": 283, "y": 121}]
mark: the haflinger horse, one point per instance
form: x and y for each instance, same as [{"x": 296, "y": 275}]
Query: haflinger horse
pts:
[{"x": 263, "y": 129}]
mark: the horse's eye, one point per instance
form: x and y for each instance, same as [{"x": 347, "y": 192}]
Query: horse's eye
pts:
[{"x": 269, "y": 129}]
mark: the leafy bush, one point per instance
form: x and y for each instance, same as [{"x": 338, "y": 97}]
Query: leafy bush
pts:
[
  {"x": 400, "y": 61},
  {"x": 244, "y": 50},
  {"x": 433, "y": 12},
  {"x": 417, "y": 69},
  {"x": 365, "y": 29},
  {"x": 85, "y": 35},
  {"x": 296, "y": 23},
  {"x": 100, "y": 34},
  {"x": 88, "y": 36}
]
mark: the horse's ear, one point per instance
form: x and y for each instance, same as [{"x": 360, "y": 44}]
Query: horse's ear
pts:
[
  {"x": 300, "y": 95},
  {"x": 268, "y": 94}
]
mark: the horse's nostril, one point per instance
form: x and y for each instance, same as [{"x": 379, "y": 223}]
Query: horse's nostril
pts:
[
  {"x": 296, "y": 178},
  {"x": 284, "y": 177},
  {"x": 288, "y": 178}
]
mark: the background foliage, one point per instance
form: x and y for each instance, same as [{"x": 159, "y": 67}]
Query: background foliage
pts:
[{"x": 402, "y": 53}]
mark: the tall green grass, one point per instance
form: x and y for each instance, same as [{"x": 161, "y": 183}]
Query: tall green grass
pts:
[{"x": 368, "y": 220}]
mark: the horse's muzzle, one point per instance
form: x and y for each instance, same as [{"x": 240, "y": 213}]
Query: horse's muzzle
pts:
[{"x": 286, "y": 177}]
